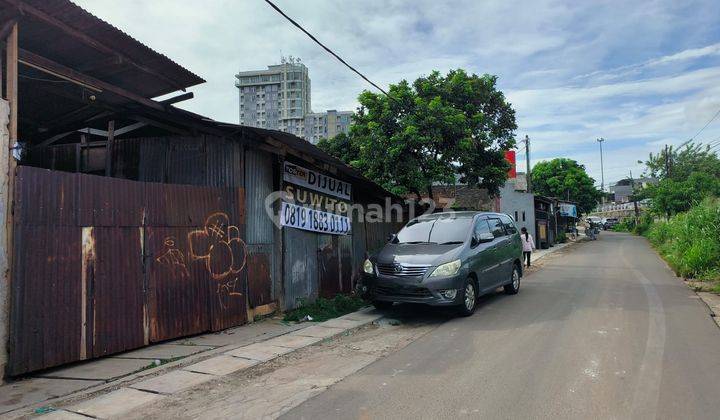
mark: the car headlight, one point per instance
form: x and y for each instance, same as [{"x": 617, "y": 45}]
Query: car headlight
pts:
[
  {"x": 447, "y": 269},
  {"x": 368, "y": 267}
]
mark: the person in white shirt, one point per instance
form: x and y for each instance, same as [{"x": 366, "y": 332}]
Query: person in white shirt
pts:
[{"x": 528, "y": 244}]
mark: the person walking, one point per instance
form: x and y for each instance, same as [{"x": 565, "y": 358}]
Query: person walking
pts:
[{"x": 528, "y": 244}]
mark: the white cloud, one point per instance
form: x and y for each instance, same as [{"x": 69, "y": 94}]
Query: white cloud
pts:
[{"x": 638, "y": 74}]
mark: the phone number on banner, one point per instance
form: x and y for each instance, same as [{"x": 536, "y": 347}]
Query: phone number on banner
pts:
[{"x": 313, "y": 220}]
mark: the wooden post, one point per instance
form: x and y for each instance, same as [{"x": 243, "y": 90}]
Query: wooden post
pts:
[
  {"x": 7, "y": 187},
  {"x": 109, "y": 148},
  {"x": 78, "y": 152}
]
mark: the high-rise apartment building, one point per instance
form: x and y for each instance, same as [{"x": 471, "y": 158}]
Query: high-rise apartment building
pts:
[
  {"x": 327, "y": 125},
  {"x": 277, "y": 98}
]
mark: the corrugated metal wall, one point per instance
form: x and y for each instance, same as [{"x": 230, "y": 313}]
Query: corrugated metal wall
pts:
[
  {"x": 300, "y": 269},
  {"x": 260, "y": 235},
  {"x": 259, "y": 176},
  {"x": 105, "y": 265}
]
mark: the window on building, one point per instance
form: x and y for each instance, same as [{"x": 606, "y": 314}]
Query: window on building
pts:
[
  {"x": 523, "y": 216},
  {"x": 516, "y": 214}
]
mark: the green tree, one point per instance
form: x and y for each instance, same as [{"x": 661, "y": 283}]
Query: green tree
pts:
[
  {"x": 686, "y": 176},
  {"x": 430, "y": 131},
  {"x": 567, "y": 179},
  {"x": 679, "y": 164},
  {"x": 671, "y": 196},
  {"x": 342, "y": 147}
]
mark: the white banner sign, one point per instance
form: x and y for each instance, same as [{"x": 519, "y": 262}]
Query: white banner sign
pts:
[
  {"x": 316, "y": 181},
  {"x": 307, "y": 218}
]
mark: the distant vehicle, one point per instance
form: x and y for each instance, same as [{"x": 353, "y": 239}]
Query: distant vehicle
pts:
[
  {"x": 446, "y": 259},
  {"x": 610, "y": 223}
]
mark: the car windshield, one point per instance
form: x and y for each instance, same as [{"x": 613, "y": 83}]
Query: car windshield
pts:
[{"x": 438, "y": 230}]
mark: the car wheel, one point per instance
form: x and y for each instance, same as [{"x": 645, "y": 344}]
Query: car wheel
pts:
[
  {"x": 514, "y": 286},
  {"x": 469, "y": 298},
  {"x": 382, "y": 305}
]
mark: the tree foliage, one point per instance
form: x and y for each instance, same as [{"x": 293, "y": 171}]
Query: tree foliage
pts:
[
  {"x": 685, "y": 178},
  {"x": 430, "y": 131},
  {"x": 567, "y": 179},
  {"x": 678, "y": 165}
]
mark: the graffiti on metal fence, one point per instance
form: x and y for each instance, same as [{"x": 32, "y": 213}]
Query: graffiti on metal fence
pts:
[
  {"x": 218, "y": 246},
  {"x": 173, "y": 258}
]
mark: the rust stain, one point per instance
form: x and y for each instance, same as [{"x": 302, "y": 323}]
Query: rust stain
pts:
[
  {"x": 88, "y": 261},
  {"x": 146, "y": 318}
]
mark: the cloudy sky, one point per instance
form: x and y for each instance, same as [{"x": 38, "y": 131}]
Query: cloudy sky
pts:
[{"x": 641, "y": 74}]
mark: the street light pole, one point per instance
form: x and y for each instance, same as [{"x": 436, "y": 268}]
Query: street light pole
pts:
[{"x": 602, "y": 169}]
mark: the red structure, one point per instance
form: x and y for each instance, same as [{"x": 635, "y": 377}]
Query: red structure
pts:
[{"x": 510, "y": 157}]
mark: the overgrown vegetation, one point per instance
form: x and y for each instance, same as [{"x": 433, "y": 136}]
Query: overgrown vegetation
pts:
[
  {"x": 689, "y": 241},
  {"x": 683, "y": 223},
  {"x": 323, "y": 309}
]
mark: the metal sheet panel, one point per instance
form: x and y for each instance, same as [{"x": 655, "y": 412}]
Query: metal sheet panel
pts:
[
  {"x": 300, "y": 266},
  {"x": 178, "y": 289},
  {"x": 345, "y": 244},
  {"x": 359, "y": 249},
  {"x": 82, "y": 272},
  {"x": 117, "y": 288},
  {"x": 259, "y": 184},
  {"x": 109, "y": 202},
  {"x": 47, "y": 298},
  {"x": 58, "y": 193},
  {"x": 259, "y": 277},
  {"x": 224, "y": 162},
  {"x": 328, "y": 266}
]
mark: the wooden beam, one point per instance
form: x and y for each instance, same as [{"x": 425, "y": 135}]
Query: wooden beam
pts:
[
  {"x": 94, "y": 131},
  {"x": 87, "y": 40},
  {"x": 176, "y": 99},
  {"x": 12, "y": 80},
  {"x": 109, "y": 148},
  {"x": 6, "y": 28},
  {"x": 7, "y": 186},
  {"x": 56, "y": 69}
]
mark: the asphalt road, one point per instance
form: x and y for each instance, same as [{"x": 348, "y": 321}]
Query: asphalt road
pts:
[{"x": 603, "y": 331}]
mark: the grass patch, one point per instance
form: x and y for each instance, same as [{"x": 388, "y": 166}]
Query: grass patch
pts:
[
  {"x": 690, "y": 242},
  {"x": 323, "y": 309}
]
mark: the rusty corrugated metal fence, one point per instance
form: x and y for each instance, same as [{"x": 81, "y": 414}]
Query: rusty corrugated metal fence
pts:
[{"x": 105, "y": 265}]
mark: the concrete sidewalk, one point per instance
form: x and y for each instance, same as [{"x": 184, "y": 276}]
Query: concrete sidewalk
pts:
[{"x": 206, "y": 355}]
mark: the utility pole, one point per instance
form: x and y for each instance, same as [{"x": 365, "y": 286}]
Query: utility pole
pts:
[
  {"x": 602, "y": 169},
  {"x": 634, "y": 199},
  {"x": 667, "y": 162},
  {"x": 527, "y": 163}
]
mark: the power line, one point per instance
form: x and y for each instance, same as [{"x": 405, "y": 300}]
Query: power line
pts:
[
  {"x": 325, "y": 48},
  {"x": 705, "y": 126}
]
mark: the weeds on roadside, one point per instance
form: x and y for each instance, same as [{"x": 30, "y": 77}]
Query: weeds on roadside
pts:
[
  {"x": 690, "y": 241},
  {"x": 323, "y": 309}
]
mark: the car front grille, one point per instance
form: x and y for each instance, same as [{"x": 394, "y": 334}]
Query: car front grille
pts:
[
  {"x": 402, "y": 291},
  {"x": 402, "y": 270}
]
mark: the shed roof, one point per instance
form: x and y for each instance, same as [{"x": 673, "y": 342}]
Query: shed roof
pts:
[{"x": 67, "y": 34}]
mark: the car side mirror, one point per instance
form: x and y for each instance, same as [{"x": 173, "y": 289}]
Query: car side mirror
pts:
[{"x": 391, "y": 237}]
